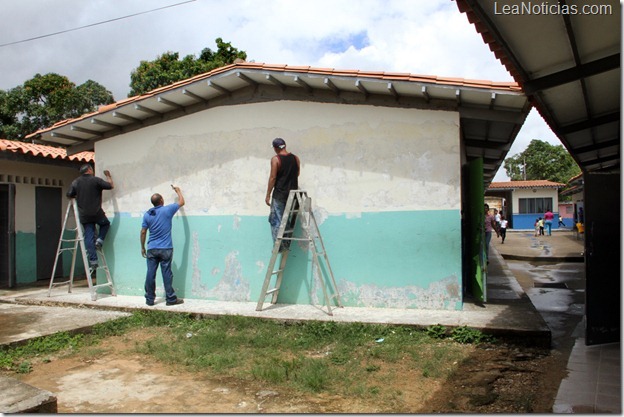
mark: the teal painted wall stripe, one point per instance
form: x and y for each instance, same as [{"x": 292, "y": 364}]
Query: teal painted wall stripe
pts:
[
  {"x": 388, "y": 259},
  {"x": 25, "y": 258}
]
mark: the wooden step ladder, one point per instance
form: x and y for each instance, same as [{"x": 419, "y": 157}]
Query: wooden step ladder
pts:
[
  {"x": 71, "y": 244},
  {"x": 298, "y": 208}
]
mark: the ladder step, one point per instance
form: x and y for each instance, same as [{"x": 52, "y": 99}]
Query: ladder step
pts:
[
  {"x": 102, "y": 285},
  {"x": 65, "y": 250},
  {"x": 56, "y": 284},
  {"x": 271, "y": 291}
]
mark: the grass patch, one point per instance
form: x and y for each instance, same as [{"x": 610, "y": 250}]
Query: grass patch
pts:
[{"x": 349, "y": 359}]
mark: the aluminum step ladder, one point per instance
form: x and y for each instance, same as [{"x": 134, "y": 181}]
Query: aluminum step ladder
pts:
[
  {"x": 298, "y": 208},
  {"x": 72, "y": 238}
]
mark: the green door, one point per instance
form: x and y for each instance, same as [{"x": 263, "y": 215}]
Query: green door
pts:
[{"x": 476, "y": 238}]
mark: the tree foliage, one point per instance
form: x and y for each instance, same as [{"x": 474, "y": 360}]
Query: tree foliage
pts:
[
  {"x": 169, "y": 68},
  {"x": 44, "y": 100},
  {"x": 542, "y": 161}
]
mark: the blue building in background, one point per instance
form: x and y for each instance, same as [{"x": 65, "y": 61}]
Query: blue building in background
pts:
[{"x": 522, "y": 202}]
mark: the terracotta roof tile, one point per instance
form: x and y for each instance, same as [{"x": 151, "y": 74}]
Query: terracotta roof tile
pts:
[
  {"x": 43, "y": 151},
  {"x": 526, "y": 184}
]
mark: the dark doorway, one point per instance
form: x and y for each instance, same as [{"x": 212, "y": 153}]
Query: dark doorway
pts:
[
  {"x": 48, "y": 218},
  {"x": 602, "y": 257},
  {"x": 7, "y": 236}
]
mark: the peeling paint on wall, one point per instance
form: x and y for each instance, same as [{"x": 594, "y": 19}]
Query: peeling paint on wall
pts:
[
  {"x": 236, "y": 224},
  {"x": 367, "y": 159},
  {"x": 198, "y": 288},
  {"x": 384, "y": 183},
  {"x": 440, "y": 295},
  {"x": 232, "y": 286}
]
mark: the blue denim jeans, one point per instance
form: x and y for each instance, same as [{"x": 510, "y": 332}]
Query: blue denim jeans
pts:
[
  {"x": 548, "y": 227},
  {"x": 488, "y": 238},
  {"x": 90, "y": 237},
  {"x": 162, "y": 257},
  {"x": 275, "y": 217}
]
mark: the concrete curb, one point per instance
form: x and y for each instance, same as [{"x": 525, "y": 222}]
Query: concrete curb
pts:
[
  {"x": 554, "y": 259},
  {"x": 18, "y": 397}
]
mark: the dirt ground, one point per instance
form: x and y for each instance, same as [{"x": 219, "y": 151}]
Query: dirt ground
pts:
[{"x": 494, "y": 379}]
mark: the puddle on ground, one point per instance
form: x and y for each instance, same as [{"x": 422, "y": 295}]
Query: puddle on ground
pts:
[{"x": 557, "y": 292}]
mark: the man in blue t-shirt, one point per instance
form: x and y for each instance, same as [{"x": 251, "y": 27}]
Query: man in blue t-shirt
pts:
[{"x": 160, "y": 246}]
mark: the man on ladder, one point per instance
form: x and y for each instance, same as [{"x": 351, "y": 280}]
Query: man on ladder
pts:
[
  {"x": 87, "y": 190},
  {"x": 284, "y": 176}
]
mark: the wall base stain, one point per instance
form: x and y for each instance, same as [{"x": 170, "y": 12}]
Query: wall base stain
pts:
[{"x": 440, "y": 295}]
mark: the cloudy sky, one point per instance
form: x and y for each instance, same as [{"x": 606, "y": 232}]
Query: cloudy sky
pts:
[{"x": 427, "y": 37}]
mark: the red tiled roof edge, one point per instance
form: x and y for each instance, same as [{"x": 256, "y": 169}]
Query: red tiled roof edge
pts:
[
  {"x": 510, "y": 86},
  {"x": 44, "y": 151},
  {"x": 526, "y": 184}
]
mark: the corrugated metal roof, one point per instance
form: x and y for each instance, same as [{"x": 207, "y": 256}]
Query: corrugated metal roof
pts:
[
  {"x": 568, "y": 64},
  {"x": 43, "y": 151}
]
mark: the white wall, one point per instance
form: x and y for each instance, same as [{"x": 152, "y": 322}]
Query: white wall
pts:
[
  {"x": 539, "y": 193},
  {"x": 354, "y": 158}
]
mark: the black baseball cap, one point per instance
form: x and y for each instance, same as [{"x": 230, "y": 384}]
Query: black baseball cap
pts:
[{"x": 279, "y": 143}]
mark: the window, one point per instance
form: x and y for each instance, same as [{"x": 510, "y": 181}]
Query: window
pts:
[{"x": 535, "y": 205}]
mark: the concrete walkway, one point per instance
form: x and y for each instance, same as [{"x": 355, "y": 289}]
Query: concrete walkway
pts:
[{"x": 594, "y": 380}]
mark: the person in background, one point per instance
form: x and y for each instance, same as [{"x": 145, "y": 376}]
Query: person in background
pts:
[
  {"x": 541, "y": 226},
  {"x": 548, "y": 219},
  {"x": 561, "y": 223},
  {"x": 581, "y": 215},
  {"x": 87, "y": 190},
  {"x": 503, "y": 228},
  {"x": 536, "y": 227},
  {"x": 490, "y": 226},
  {"x": 497, "y": 217},
  {"x": 160, "y": 246}
]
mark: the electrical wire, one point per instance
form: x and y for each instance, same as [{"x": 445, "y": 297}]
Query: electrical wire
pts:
[{"x": 94, "y": 24}]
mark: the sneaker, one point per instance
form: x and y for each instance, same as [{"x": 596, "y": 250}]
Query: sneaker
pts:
[
  {"x": 177, "y": 301},
  {"x": 98, "y": 244},
  {"x": 149, "y": 303}
]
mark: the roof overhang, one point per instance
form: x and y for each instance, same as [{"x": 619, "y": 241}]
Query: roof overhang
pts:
[
  {"x": 566, "y": 57},
  {"x": 491, "y": 114},
  {"x": 22, "y": 151}
]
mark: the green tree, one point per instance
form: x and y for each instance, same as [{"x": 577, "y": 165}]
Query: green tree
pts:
[
  {"x": 169, "y": 68},
  {"x": 542, "y": 161},
  {"x": 44, "y": 100}
]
